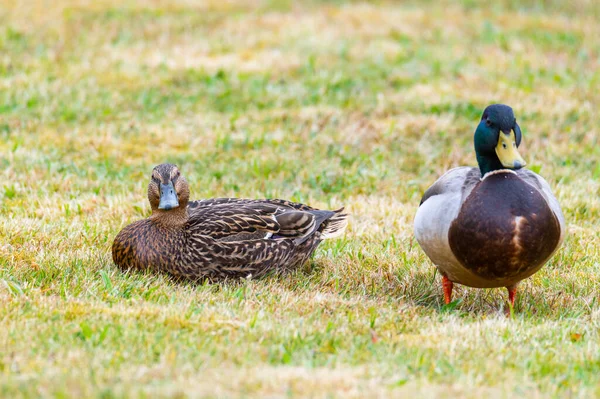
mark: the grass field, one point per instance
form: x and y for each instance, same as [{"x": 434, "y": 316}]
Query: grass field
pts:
[{"x": 333, "y": 103}]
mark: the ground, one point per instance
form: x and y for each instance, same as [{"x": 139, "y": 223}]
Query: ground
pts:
[{"x": 334, "y": 104}]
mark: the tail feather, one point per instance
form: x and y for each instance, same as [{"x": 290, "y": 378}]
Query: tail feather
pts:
[
  {"x": 335, "y": 225},
  {"x": 329, "y": 224}
]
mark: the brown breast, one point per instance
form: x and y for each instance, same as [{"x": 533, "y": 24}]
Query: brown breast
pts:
[
  {"x": 145, "y": 245},
  {"x": 504, "y": 230}
]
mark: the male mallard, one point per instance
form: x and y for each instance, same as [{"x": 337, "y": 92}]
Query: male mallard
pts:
[
  {"x": 491, "y": 226},
  {"x": 221, "y": 237}
]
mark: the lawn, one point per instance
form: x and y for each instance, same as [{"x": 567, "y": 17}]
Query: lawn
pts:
[{"x": 331, "y": 103}]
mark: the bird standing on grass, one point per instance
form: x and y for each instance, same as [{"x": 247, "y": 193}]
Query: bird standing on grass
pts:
[
  {"x": 491, "y": 226},
  {"x": 221, "y": 237}
]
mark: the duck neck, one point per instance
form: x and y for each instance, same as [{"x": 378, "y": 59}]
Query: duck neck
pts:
[
  {"x": 173, "y": 218},
  {"x": 488, "y": 163}
]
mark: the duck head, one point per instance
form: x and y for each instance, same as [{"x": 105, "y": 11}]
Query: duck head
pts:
[
  {"x": 497, "y": 140},
  {"x": 168, "y": 191}
]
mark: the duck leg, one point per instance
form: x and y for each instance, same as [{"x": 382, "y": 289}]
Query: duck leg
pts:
[
  {"x": 512, "y": 294},
  {"x": 447, "y": 286}
]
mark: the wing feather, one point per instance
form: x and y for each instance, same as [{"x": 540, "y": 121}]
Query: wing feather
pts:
[
  {"x": 232, "y": 220},
  {"x": 199, "y": 204},
  {"x": 462, "y": 179}
]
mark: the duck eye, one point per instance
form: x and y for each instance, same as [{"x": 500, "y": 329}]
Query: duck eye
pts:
[
  {"x": 488, "y": 122},
  {"x": 504, "y": 145}
]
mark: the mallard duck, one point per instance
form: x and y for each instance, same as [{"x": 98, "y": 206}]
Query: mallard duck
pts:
[
  {"x": 220, "y": 237},
  {"x": 491, "y": 226}
]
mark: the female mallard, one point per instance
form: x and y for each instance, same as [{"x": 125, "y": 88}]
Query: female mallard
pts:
[
  {"x": 491, "y": 226},
  {"x": 221, "y": 237}
]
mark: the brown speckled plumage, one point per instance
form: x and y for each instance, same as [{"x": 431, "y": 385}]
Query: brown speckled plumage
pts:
[{"x": 222, "y": 237}]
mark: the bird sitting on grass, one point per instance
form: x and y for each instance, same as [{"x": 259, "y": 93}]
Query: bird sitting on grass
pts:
[
  {"x": 221, "y": 237},
  {"x": 491, "y": 226}
]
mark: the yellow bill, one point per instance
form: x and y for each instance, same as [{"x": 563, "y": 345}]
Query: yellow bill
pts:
[{"x": 507, "y": 151}]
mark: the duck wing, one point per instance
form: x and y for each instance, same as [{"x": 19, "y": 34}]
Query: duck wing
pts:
[
  {"x": 439, "y": 207},
  {"x": 458, "y": 180},
  {"x": 199, "y": 204},
  {"x": 252, "y": 219}
]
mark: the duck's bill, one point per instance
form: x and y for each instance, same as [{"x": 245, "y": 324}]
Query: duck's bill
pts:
[
  {"x": 168, "y": 197},
  {"x": 507, "y": 151}
]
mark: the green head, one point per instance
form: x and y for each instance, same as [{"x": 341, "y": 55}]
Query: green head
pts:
[{"x": 497, "y": 138}]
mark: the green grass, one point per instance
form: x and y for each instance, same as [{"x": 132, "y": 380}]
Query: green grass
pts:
[{"x": 330, "y": 103}]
